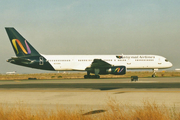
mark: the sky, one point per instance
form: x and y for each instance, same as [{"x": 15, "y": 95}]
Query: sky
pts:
[{"x": 83, "y": 27}]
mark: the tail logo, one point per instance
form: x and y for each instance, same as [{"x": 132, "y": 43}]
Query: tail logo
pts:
[
  {"x": 14, "y": 41},
  {"x": 119, "y": 70}
]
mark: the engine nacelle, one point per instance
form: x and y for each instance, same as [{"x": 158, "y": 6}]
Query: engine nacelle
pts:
[{"x": 117, "y": 70}]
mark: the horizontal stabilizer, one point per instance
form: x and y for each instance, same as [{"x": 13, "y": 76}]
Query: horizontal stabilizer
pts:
[{"x": 20, "y": 60}]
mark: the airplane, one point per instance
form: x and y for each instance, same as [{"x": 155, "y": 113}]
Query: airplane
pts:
[
  {"x": 11, "y": 73},
  {"x": 27, "y": 55}
]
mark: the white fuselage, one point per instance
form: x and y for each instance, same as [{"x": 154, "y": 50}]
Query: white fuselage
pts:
[{"x": 81, "y": 62}]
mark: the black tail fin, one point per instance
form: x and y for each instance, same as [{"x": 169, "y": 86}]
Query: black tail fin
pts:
[{"x": 21, "y": 46}]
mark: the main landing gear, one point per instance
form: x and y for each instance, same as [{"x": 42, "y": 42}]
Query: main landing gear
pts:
[{"x": 91, "y": 76}]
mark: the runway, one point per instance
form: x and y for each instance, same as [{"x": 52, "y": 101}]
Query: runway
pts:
[
  {"x": 91, "y": 94},
  {"x": 93, "y": 84}
]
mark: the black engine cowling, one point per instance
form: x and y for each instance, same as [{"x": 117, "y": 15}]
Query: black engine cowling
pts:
[{"x": 117, "y": 70}]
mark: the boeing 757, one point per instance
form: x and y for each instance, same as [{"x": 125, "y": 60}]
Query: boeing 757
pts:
[{"x": 27, "y": 55}]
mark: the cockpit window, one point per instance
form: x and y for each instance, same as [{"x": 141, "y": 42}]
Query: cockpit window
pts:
[{"x": 166, "y": 60}]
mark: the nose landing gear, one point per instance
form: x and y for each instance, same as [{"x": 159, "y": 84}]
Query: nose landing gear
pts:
[{"x": 154, "y": 73}]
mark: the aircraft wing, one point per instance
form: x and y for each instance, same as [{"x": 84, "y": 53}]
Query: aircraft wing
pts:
[{"x": 98, "y": 63}]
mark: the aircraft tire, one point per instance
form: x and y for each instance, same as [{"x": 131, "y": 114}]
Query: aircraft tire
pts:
[
  {"x": 87, "y": 76},
  {"x": 153, "y": 75},
  {"x": 91, "y": 76},
  {"x": 97, "y": 76}
]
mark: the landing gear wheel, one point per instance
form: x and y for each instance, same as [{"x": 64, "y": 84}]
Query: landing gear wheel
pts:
[
  {"x": 153, "y": 75},
  {"x": 87, "y": 76},
  {"x": 97, "y": 76},
  {"x": 91, "y": 76}
]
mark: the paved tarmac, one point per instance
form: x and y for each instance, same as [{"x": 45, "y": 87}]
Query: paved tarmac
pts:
[{"x": 91, "y": 94}]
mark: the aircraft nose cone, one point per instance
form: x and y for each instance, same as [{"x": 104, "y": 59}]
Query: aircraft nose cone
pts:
[{"x": 170, "y": 64}]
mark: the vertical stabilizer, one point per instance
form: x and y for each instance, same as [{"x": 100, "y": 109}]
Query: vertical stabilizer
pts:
[{"x": 21, "y": 46}]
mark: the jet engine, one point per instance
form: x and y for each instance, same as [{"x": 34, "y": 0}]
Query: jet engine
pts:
[{"x": 117, "y": 70}]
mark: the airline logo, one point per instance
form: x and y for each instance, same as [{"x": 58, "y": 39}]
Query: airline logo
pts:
[
  {"x": 26, "y": 51},
  {"x": 119, "y": 70},
  {"x": 119, "y": 57}
]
